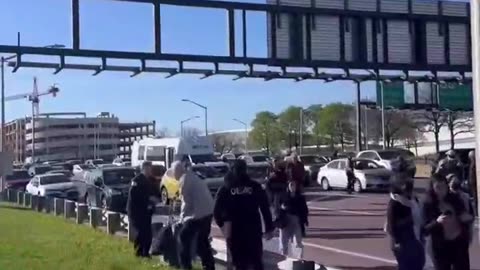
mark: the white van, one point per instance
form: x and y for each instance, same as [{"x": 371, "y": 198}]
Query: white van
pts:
[{"x": 163, "y": 151}]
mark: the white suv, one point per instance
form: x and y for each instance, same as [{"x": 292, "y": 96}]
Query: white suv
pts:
[{"x": 388, "y": 157}]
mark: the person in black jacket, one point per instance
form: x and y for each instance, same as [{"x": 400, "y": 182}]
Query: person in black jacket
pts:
[
  {"x": 447, "y": 222},
  {"x": 277, "y": 184},
  {"x": 236, "y": 212},
  {"x": 295, "y": 210},
  {"x": 404, "y": 225},
  {"x": 140, "y": 210}
]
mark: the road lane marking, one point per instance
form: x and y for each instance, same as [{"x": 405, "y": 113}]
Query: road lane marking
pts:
[
  {"x": 360, "y": 213},
  {"x": 350, "y": 253}
]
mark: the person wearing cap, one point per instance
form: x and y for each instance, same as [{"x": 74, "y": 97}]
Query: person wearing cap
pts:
[
  {"x": 196, "y": 215},
  {"x": 140, "y": 210},
  {"x": 237, "y": 212}
]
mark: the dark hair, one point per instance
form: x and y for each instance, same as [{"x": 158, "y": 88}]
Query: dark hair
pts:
[
  {"x": 239, "y": 168},
  {"x": 397, "y": 183},
  {"x": 431, "y": 195}
]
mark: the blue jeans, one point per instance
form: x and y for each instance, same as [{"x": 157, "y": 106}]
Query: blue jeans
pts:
[{"x": 410, "y": 255}]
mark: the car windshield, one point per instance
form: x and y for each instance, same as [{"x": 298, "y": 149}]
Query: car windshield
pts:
[
  {"x": 311, "y": 159},
  {"x": 155, "y": 153},
  {"x": 389, "y": 155},
  {"x": 86, "y": 167},
  {"x": 118, "y": 176},
  {"x": 203, "y": 158},
  {"x": 42, "y": 169},
  {"x": 206, "y": 172},
  {"x": 366, "y": 165},
  {"x": 18, "y": 175},
  {"x": 98, "y": 162},
  {"x": 64, "y": 172},
  {"x": 259, "y": 158},
  {"x": 53, "y": 179},
  {"x": 258, "y": 171}
]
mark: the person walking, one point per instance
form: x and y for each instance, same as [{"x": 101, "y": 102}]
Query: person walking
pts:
[
  {"x": 277, "y": 184},
  {"x": 450, "y": 165},
  {"x": 195, "y": 216},
  {"x": 237, "y": 212},
  {"x": 140, "y": 210},
  {"x": 456, "y": 188},
  {"x": 349, "y": 170},
  {"x": 404, "y": 224},
  {"x": 296, "y": 170},
  {"x": 295, "y": 209},
  {"x": 447, "y": 222}
]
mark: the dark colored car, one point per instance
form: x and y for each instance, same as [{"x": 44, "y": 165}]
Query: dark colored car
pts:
[
  {"x": 39, "y": 169},
  {"x": 312, "y": 164},
  {"x": 108, "y": 187},
  {"x": 18, "y": 179}
]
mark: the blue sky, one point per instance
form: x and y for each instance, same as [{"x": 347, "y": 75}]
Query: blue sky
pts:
[{"x": 126, "y": 26}]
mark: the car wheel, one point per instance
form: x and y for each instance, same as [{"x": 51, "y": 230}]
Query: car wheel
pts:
[
  {"x": 164, "y": 194},
  {"x": 325, "y": 184},
  {"x": 357, "y": 186}
]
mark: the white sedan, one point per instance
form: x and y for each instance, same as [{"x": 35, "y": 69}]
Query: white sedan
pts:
[
  {"x": 368, "y": 173},
  {"x": 56, "y": 185}
]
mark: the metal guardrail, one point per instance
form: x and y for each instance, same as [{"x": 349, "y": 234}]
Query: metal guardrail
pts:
[{"x": 112, "y": 222}]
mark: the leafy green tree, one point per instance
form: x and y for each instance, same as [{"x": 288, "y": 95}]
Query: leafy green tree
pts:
[
  {"x": 289, "y": 121},
  {"x": 313, "y": 118},
  {"x": 265, "y": 132},
  {"x": 335, "y": 124}
]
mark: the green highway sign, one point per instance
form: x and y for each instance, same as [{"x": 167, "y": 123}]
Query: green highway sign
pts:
[{"x": 402, "y": 95}]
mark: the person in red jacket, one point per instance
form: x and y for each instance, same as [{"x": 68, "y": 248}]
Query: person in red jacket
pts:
[{"x": 296, "y": 170}]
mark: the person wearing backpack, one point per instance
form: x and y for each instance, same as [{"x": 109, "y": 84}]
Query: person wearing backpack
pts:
[{"x": 404, "y": 224}]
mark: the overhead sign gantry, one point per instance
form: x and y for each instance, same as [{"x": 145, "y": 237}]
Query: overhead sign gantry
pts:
[{"x": 306, "y": 39}]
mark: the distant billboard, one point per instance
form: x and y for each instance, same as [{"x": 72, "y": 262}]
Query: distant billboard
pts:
[{"x": 403, "y": 95}]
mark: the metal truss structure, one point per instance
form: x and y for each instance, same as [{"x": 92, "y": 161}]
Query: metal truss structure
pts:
[{"x": 267, "y": 68}]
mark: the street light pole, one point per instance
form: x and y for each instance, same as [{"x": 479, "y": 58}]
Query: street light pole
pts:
[
  {"x": 2, "y": 145},
  {"x": 383, "y": 115},
  {"x": 184, "y": 121},
  {"x": 246, "y": 133},
  {"x": 359, "y": 118},
  {"x": 206, "y": 113}
]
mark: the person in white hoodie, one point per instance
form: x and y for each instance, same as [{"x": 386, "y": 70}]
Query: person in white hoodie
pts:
[{"x": 196, "y": 217}]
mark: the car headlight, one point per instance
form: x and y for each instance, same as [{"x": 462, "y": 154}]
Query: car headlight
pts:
[{"x": 42, "y": 192}]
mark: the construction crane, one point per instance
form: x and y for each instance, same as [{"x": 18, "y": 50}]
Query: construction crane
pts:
[{"x": 34, "y": 96}]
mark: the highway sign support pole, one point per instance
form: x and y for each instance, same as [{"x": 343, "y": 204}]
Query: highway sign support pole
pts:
[
  {"x": 358, "y": 141},
  {"x": 475, "y": 23},
  {"x": 383, "y": 114}
]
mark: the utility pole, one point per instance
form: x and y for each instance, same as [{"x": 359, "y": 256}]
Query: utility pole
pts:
[
  {"x": 475, "y": 23},
  {"x": 358, "y": 141},
  {"x": 301, "y": 130},
  {"x": 383, "y": 114}
]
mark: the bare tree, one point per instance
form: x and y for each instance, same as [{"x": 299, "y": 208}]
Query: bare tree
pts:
[
  {"x": 458, "y": 123},
  {"x": 163, "y": 132},
  {"x": 431, "y": 122}
]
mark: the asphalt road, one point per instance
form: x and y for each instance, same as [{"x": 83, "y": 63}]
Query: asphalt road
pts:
[{"x": 346, "y": 231}]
